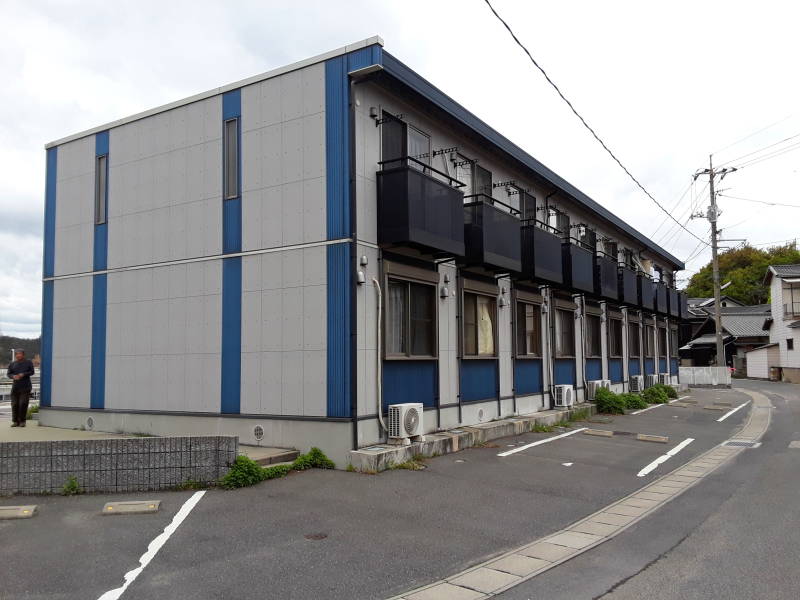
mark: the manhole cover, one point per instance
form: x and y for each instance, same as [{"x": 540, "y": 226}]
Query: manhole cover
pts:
[
  {"x": 742, "y": 444},
  {"x": 315, "y": 536},
  {"x": 258, "y": 432}
]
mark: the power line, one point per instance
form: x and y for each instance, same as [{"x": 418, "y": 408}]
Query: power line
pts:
[
  {"x": 585, "y": 124},
  {"x": 794, "y": 239},
  {"x": 747, "y": 137},
  {"x": 664, "y": 220},
  {"x": 774, "y": 154},
  {"x": 761, "y": 201},
  {"x": 733, "y": 160}
]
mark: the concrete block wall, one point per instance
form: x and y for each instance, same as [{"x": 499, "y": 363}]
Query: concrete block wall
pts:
[{"x": 114, "y": 465}]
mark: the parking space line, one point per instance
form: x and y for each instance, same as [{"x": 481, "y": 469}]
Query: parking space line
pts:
[
  {"x": 730, "y": 412},
  {"x": 664, "y": 457},
  {"x": 540, "y": 442},
  {"x": 154, "y": 546}
]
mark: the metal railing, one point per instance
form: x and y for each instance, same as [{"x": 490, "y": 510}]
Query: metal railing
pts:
[
  {"x": 791, "y": 310},
  {"x": 541, "y": 225},
  {"x": 487, "y": 199},
  {"x": 425, "y": 168}
]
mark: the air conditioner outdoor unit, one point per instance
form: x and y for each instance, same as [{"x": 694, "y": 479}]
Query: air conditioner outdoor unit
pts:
[
  {"x": 637, "y": 383},
  {"x": 607, "y": 384},
  {"x": 650, "y": 380},
  {"x": 565, "y": 395},
  {"x": 405, "y": 422},
  {"x": 592, "y": 387},
  {"x": 663, "y": 378}
]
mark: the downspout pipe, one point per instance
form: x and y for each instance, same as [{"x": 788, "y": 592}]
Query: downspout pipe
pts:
[{"x": 378, "y": 363}]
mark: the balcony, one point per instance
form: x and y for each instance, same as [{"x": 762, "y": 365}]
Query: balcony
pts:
[
  {"x": 541, "y": 252},
  {"x": 660, "y": 293},
  {"x": 491, "y": 234},
  {"x": 683, "y": 305},
  {"x": 420, "y": 207},
  {"x": 791, "y": 310},
  {"x": 578, "y": 267},
  {"x": 646, "y": 291},
  {"x": 628, "y": 286},
  {"x": 674, "y": 302},
  {"x": 606, "y": 284}
]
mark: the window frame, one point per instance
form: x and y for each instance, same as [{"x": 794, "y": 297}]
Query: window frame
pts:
[
  {"x": 674, "y": 343},
  {"x": 227, "y": 147},
  {"x": 592, "y": 339},
  {"x": 538, "y": 320},
  {"x": 789, "y": 344},
  {"x": 634, "y": 330},
  {"x": 493, "y": 300},
  {"x": 101, "y": 189},
  {"x": 557, "y": 353},
  {"x": 649, "y": 341},
  {"x": 662, "y": 352},
  {"x": 407, "y": 355},
  {"x": 609, "y": 331}
]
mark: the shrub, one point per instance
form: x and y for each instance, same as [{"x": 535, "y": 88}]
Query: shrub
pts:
[
  {"x": 655, "y": 395},
  {"x": 245, "y": 471},
  {"x": 608, "y": 402},
  {"x": 71, "y": 486},
  {"x": 633, "y": 401},
  {"x": 668, "y": 389}
]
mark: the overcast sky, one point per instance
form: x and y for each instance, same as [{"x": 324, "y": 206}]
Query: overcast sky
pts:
[{"x": 663, "y": 86}]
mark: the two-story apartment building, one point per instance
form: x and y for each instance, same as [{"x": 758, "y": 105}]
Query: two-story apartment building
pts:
[
  {"x": 780, "y": 359},
  {"x": 284, "y": 257}
]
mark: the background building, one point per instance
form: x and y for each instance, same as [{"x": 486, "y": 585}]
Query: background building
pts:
[{"x": 284, "y": 257}]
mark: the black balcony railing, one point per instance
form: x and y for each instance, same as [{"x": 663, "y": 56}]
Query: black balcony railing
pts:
[
  {"x": 683, "y": 303},
  {"x": 541, "y": 252},
  {"x": 492, "y": 233},
  {"x": 606, "y": 284},
  {"x": 660, "y": 297},
  {"x": 628, "y": 286},
  {"x": 420, "y": 207},
  {"x": 646, "y": 291},
  {"x": 578, "y": 267},
  {"x": 673, "y": 302}
]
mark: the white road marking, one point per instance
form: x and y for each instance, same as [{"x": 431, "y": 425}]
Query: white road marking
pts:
[
  {"x": 540, "y": 442},
  {"x": 567, "y": 464},
  {"x": 664, "y": 457},
  {"x": 641, "y": 410},
  {"x": 730, "y": 412},
  {"x": 683, "y": 397},
  {"x": 671, "y": 401},
  {"x": 155, "y": 546}
]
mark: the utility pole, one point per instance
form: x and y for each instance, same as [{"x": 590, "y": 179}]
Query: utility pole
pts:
[{"x": 712, "y": 215}]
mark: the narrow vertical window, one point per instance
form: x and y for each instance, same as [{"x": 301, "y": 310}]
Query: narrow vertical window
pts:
[
  {"x": 662, "y": 341},
  {"x": 479, "y": 325},
  {"x": 649, "y": 342},
  {"x": 633, "y": 340},
  {"x": 231, "y": 150},
  {"x": 100, "y": 190},
  {"x": 529, "y": 335},
  {"x": 593, "y": 346},
  {"x": 565, "y": 333},
  {"x": 614, "y": 337}
]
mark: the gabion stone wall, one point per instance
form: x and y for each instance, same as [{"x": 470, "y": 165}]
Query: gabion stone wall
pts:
[{"x": 114, "y": 465}]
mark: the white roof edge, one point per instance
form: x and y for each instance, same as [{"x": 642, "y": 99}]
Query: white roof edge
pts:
[{"x": 376, "y": 39}]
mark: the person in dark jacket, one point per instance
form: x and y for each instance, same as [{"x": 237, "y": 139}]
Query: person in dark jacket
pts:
[{"x": 20, "y": 372}]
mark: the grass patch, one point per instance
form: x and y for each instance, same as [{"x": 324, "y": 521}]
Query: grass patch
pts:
[
  {"x": 245, "y": 472},
  {"x": 190, "y": 484},
  {"x": 32, "y": 410},
  {"x": 541, "y": 428},
  {"x": 71, "y": 487},
  {"x": 580, "y": 414},
  {"x": 484, "y": 445},
  {"x": 409, "y": 465}
]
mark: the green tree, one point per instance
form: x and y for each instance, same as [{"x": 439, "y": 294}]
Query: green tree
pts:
[{"x": 745, "y": 268}]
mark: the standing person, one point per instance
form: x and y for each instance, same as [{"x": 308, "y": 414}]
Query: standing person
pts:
[{"x": 20, "y": 372}]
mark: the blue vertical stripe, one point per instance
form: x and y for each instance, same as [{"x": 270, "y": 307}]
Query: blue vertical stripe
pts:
[
  {"x": 231, "y": 379},
  {"x": 98, "y": 382},
  {"x": 46, "y": 350},
  {"x": 50, "y": 212},
  {"x": 338, "y": 223},
  {"x": 97, "y": 393},
  {"x": 231, "y": 347},
  {"x": 338, "y": 304}
]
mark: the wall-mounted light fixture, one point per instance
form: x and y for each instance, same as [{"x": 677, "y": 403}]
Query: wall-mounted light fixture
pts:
[
  {"x": 361, "y": 278},
  {"x": 444, "y": 292},
  {"x": 364, "y": 260}
]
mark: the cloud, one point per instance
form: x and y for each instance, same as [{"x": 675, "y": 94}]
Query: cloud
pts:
[{"x": 661, "y": 88}]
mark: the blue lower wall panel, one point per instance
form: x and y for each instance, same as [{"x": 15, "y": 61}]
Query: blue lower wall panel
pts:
[
  {"x": 409, "y": 381},
  {"x": 46, "y": 352},
  {"x": 478, "y": 380},
  {"x": 634, "y": 367},
  {"x": 594, "y": 369},
  {"x": 231, "y": 360},
  {"x": 615, "y": 370},
  {"x": 97, "y": 391},
  {"x": 527, "y": 377},
  {"x": 232, "y": 226},
  {"x": 564, "y": 371},
  {"x": 649, "y": 366},
  {"x": 673, "y": 366},
  {"x": 662, "y": 365}
]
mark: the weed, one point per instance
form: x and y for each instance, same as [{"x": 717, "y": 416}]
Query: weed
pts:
[
  {"x": 580, "y": 414},
  {"x": 32, "y": 410},
  {"x": 190, "y": 484},
  {"x": 483, "y": 444},
  {"x": 245, "y": 471},
  {"x": 71, "y": 487},
  {"x": 541, "y": 428},
  {"x": 350, "y": 468},
  {"x": 409, "y": 465}
]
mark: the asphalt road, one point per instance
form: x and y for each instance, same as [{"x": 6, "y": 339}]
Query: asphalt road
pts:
[{"x": 324, "y": 534}]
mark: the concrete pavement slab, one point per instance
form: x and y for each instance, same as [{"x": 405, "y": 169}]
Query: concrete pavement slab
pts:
[
  {"x": 518, "y": 564},
  {"x": 445, "y": 591},
  {"x": 649, "y": 495},
  {"x": 547, "y": 551},
  {"x": 595, "y": 528},
  {"x": 576, "y": 540},
  {"x": 628, "y": 511},
  {"x": 485, "y": 580}
]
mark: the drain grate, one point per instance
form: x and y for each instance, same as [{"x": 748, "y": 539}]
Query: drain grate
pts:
[{"x": 742, "y": 444}]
